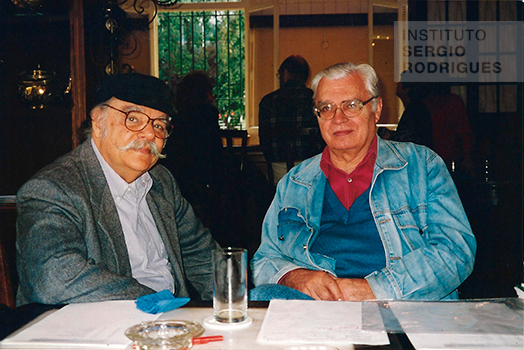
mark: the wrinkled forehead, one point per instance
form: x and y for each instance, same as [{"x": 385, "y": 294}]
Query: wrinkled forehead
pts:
[{"x": 345, "y": 88}]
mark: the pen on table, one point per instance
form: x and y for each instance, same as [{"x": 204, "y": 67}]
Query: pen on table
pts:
[{"x": 205, "y": 340}]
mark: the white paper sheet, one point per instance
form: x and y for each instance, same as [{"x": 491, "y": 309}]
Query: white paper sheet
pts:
[
  {"x": 471, "y": 325},
  {"x": 458, "y": 317},
  {"x": 439, "y": 341},
  {"x": 317, "y": 322},
  {"x": 85, "y": 325}
]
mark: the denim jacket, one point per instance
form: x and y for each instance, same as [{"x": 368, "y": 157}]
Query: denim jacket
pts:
[{"x": 429, "y": 245}]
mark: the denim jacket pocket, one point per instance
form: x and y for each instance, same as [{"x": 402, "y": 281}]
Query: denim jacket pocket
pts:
[
  {"x": 294, "y": 235},
  {"x": 411, "y": 225},
  {"x": 292, "y": 230}
]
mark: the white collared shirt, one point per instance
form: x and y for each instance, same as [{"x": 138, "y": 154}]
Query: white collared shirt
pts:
[{"x": 147, "y": 254}]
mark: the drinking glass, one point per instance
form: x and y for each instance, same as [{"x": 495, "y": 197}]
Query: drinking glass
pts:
[{"x": 230, "y": 285}]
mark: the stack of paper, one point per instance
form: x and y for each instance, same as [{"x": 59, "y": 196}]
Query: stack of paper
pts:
[
  {"x": 317, "y": 322},
  {"x": 91, "y": 325}
]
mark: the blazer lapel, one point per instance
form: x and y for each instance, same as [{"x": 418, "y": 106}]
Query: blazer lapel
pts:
[
  {"x": 111, "y": 237},
  {"x": 167, "y": 228}
]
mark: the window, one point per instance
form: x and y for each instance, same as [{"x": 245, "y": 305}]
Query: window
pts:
[{"x": 212, "y": 41}]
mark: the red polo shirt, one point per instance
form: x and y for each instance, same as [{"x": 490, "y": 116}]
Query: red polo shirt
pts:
[{"x": 349, "y": 187}]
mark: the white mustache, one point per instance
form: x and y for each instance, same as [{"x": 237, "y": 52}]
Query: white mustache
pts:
[{"x": 141, "y": 144}]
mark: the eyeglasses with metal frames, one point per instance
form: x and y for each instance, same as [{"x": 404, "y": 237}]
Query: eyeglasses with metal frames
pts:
[
  {"x": 350, "y": 108},
  {"x": 137, "y": 121}
]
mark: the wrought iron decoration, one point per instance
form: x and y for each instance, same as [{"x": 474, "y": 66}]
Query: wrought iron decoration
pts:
[{"x": 109, "y": 26}]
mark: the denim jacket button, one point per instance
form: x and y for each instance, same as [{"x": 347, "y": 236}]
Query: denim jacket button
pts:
[
  {"x": 304, "y": 246},
  {"x": 281, "y": 238}
]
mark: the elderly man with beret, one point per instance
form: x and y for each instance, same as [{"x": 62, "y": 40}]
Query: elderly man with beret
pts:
[
  {"x": 103, "y": 222},
  {"x": 367, "y": 218}
]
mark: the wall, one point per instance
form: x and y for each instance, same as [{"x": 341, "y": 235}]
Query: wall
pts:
[
  {"x": 140, "y": 59},
  {"x": 322, "y": 47},
  {"x": 319, "y": 7}
]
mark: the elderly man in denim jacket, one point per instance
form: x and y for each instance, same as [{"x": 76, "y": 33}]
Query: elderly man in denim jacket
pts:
[
  {"x": 103, "y": 222},
  {"x": 367, "y": 218}
]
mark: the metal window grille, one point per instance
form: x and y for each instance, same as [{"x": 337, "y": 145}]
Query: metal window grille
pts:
[{"x": 211, "y": 41}]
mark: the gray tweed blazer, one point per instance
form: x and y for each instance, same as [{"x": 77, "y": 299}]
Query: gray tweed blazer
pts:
[{"x": 70, "y": 243}]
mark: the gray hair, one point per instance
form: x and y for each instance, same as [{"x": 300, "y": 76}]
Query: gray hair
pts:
[
  {"x": 102, "y": 118},
  {"x": 343, "y": 70},
  {"x": 86, "y": 129}
]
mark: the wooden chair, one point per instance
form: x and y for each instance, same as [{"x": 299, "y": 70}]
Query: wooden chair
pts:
[
  {"x": 270, "y": 174},
  {"x": 7, "y": 292},
  {"x": 229, "y": 135},
  {"x": 290, "y": 134},
  {"x": 8, "y": 275}
]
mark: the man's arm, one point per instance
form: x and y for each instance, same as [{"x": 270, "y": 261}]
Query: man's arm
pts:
[
  {"x": 441, "y": 254},
  {"x": 270, "y": 264},
  {"x": 277, "y": 259},
  {"x": 58, "y": 251}
]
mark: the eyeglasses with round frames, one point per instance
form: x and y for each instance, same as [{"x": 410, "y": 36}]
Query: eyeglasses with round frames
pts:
[
  {"x": 351, "y": 108},
  {"x": 137, "y": 121}
]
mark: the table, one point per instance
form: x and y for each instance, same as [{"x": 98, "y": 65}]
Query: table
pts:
[
  {"x": 470, "y": 324},
  {"x": 244, "y": 338}
]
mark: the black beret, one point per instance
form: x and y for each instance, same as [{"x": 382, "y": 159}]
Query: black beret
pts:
[{"x": 140, "y": 89}]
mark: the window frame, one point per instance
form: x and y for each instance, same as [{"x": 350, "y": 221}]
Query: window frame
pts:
[{"x": 249, "y": 7}]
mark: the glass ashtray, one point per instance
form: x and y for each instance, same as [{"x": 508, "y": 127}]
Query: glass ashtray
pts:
[{"x": 164, "y": 335}]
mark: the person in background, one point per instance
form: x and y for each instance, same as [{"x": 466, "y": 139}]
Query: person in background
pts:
[
  {"x": 209, "y": 177},
  {"x": 367, "y": 218},
  {"x": 415, "y": 125},
  {"x": 104, "y": 222},
  {"x": 453, "y": 138},
  {"x": 194, "y": 150},
  {"x": 287, "y": 123}
]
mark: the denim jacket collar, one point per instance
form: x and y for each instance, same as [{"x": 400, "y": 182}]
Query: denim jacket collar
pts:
[{"x": 387, "y": 159}]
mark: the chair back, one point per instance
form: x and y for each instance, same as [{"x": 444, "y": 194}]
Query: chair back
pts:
[
  {"x": 7, "y": 292},
  {"x": 229, "y": 135},
  {"x": 8, "y": 275}
]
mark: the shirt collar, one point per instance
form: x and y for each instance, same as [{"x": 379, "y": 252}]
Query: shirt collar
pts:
[
  {"x": 348, "y": 187},
  {"x": 118, "y": 186},
  {"x": 328, "y": 168}
]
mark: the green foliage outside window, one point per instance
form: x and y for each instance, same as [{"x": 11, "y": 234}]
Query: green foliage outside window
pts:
[{"x": 212, "y": 42}]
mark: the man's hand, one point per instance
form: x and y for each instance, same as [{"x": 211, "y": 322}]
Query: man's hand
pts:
[
  {"x": 355, "y": 289},
  {"x": 323, "y": 286},
  {"x": 317, "y": 284}
]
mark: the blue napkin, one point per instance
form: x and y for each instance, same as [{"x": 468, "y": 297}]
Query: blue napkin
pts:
[{"x": 160, "y": 302}]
